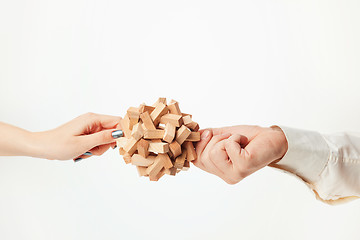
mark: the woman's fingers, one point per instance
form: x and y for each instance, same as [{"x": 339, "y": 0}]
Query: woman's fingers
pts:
[
  {"x": 105, "y": 121},
  {"x": 100, "y": 138},
  {"x": 100, "y": 150}
]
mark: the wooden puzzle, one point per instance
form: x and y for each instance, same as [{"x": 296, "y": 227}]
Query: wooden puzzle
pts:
[{"x": 158, "y": 139}]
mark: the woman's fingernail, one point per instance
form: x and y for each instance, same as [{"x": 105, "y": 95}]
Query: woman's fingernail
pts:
[
  {"x": 117, "y": 133},
  {"x": 87, "y": 154},
  {"x": 115, "y": 147},
  {"x": 205, "y": 134},
  {"x": 77, "y": 159}
]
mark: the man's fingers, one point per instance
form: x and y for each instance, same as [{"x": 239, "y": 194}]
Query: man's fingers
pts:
[
  {"x": 205, "y": 138},
  {"x": 233, "y": 148},
  {"x": 220, "y": 158}
]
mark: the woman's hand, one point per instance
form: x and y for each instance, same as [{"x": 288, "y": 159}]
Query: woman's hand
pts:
[
  {"x": 232, "y": 153},
  {"x": 86, "y": 135}
]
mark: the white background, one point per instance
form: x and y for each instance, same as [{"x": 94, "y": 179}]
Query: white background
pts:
[{"x": 294, "y": 63}]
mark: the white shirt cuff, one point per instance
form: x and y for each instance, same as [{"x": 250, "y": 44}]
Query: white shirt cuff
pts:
[{"x": 307, "y": 154}]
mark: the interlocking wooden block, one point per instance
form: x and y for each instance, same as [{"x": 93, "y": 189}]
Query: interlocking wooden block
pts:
[
  {"x": 137, "y": 131},
  {"x": 139, "y": 160},
  {"x": 175, "y": 149},
  {"x": 190, "y": 151},
  {"x": 180, "y": 160},
  {"x": 158, "y": 147},
  {"x": 141, "y": 171},
  {"x": 127, "y": 158},
  {"x": 158, "y": 139},
  {"x": 182, "y": 133},
  {"x": 143, "y": 148},
  {"x": 121, "y": 142},
  {"x": 186, "y": 165},
  {"x": 193, "y": 126},
  {"x": 169, "y": 133},
  {"x": 144, "y": 108},
  {"x": 125, "y": 126},
  {"x": 156, "y": 167},
  {"x": 154, "y": 134},
  {"x": 130, "y": 146},
  {"x": 160, "y": 110},
  {"x": 193, "y": 137},
  {"x": 147, "y": 122},
  {"x": 174, "y": 119},
  {"x": 167, "y": 161},
  {"x": 174, "y": 107},
  {"x": 171, "y": 171}
]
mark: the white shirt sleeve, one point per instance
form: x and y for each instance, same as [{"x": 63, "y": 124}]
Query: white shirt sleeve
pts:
[{"x": 328, "y": 164}]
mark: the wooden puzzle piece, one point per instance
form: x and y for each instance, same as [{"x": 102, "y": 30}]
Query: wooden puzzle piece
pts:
[
  {"x": 139, "y": 160},
  {"x": 154, "y": 134},
  {"x": 169, "y": 133},
  {"x": 158, "y": 139},
  {"x": 143, "y": 148},
  {"x": 174, "y": 119},
  {"x": 160, "y": 110},
  {"x": 158, "y": 147},
  {"x": 182, "y": 133}
]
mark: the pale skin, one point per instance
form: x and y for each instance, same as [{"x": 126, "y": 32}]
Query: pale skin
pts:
[
  {"x": 231, "y": 153},
  {"x": 89, "y": 132}
]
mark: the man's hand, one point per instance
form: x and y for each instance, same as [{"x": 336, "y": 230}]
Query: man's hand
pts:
[{"x": 233, "y": 153}]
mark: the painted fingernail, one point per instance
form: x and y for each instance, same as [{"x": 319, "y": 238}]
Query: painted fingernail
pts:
[
  {"x": 115, "y": 147},
  {"x": 117, "y": 133},
  {"x": 77, "y": 159},
  {"x": 205, "y": 134},
  {"x": 87, "y": 154}
]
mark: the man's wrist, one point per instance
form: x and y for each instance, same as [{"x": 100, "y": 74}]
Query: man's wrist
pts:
[{"x": 282, "y": 143}]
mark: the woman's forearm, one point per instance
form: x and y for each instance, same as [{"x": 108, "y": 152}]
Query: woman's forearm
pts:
[{"x": 15, "y": 141}]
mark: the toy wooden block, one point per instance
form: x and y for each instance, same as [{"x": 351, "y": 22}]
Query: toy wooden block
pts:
[
  {"x": 190, "y": 151},
  {"x": 158, "y": 139},
  {"x": 174, "y": 107},
  {"x": 141, "y": 171},
  {"x": 160, "y": 110},
  {"x": 137, "y": 131},
  {"x": 174, "y": 119},
  {"x": 154, "y": 134},
  {"x": 158, "y": 147},
  {"x": 156, "y": 167},
  {"x": 182, "y": 133},
  {"x": 193, "y": 137},
  {"x": 169, "y": 133},
  {"x": 143, "y": 148},
  {"x": 167, "y": 161},
  {"x": 147, "y": 122},
  {"x": 121, "y": 142},
  {"x": 186, "y": 165},
  {"x": 160, "y": 100},
  {"x": 130, "y": 146},
  {"x": 125, "y": 126},
  {"x": 127, "y": 158},
  {"x": 180, "y": 160},
  {"x": 175, "y": 149},
  {"x": 193, "y": 126},
  {"x": 139, "y": 160},
  {"x": 144, "y": 108}
]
